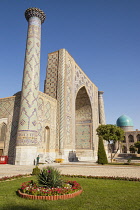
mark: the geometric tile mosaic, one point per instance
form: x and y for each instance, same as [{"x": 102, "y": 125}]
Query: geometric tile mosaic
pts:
[
  {"x": 50, "y": 86},
  {"x": 82, "y": 80},
  {"x": 83, "y": 136}
]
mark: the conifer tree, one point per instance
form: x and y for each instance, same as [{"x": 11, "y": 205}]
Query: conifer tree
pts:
[{"x": 102, "y": 158}]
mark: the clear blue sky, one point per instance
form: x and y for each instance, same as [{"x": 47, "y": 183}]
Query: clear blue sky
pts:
[{"x": 103, "y": 36}]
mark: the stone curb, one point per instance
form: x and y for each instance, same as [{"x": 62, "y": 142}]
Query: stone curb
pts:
[{"x": 53, "y": 197}]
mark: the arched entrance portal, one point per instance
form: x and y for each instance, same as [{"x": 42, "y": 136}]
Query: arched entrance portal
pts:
[{"x": 83, "y": 118}]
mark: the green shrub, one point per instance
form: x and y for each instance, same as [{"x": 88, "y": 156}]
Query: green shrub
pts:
[
  {"x": 129, "y": 160},
  {"x": 137, "y": 145},
  {"x": 102, "y": 158},
  {"x": 50, "y": 177},
  {"x": 36, "y": 171}
]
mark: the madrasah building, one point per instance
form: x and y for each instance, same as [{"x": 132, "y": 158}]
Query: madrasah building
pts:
[
  {"x": 57, "y": 123},
  {"x": 61, "y": 122},
  {"x": 131, "y": 136}
]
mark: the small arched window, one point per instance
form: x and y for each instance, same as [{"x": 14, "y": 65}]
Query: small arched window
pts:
[
  {"x": 3, "y": 129},
  {"x": 130, "y": 138},
  {"x": 138, "y": 137}
]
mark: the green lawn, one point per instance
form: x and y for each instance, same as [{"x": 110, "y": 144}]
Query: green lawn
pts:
[{"x": 97, "y": 194}]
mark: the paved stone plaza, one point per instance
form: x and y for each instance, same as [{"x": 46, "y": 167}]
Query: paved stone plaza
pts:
[{"x": 82, "y": 168}]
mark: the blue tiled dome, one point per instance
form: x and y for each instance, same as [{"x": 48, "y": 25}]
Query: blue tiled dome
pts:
[{"x": 124, "y": 120}]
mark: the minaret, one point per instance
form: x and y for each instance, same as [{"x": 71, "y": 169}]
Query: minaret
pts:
[
  {"x": 102, "y": 120},
  {"x": 26, "y": 146}
]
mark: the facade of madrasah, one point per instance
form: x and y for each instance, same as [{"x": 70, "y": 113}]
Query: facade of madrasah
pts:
[
  {"x": 131, "y": 136},
  {"x": 60, "y": 122}
]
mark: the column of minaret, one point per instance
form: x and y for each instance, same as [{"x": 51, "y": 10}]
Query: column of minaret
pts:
[
  {"x": 26, "y": 148},
  {"x": 102, "y": 120}
]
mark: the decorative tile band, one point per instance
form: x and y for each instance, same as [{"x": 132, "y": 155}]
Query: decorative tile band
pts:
[
  {"x": 27, "y": 137},
  {"x": 34, "y": 21}
]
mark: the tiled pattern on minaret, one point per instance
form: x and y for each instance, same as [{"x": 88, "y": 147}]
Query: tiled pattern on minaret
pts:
[
  {"x": 50, "y": 86},
  {"x": 95, "y": 118},
  {"x": 27, "y": 130},
  {"x": 102, "y": 120},
  {"x": 40, "y": 119}
]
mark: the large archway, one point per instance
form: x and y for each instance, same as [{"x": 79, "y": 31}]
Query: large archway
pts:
[{"x": 83, "y": 119}]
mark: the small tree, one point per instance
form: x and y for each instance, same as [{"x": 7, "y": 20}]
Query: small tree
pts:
[
  {"x": 137, "y": 145},
  {"x": 110, "y": 133},
  {"x": 102, "y": 158}
]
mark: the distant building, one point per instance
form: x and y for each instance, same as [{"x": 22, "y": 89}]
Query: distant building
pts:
[{"x": 130, "y": 137}]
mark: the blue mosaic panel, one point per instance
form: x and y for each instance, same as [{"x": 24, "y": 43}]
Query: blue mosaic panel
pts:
[{"x": 83, "y": 136}]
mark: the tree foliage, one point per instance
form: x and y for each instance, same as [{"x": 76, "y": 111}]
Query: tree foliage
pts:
[
  {"x": 110, "y": 133},
  {"x": 137, "y": 145},
  {"x": 132, "y": 149},
  {"x": 102, "y": 158}
]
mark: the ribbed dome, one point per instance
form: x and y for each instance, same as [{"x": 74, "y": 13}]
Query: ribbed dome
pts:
[{"x": 124, "y": 120}]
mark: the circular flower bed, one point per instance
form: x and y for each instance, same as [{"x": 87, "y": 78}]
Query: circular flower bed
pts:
[{"x": 31, "y": 190}]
